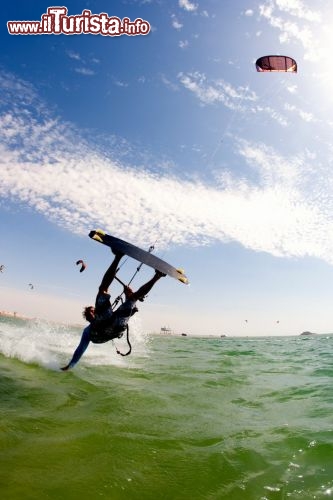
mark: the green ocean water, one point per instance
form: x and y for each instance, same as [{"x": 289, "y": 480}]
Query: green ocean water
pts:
[{"x": 181, "y": 418}]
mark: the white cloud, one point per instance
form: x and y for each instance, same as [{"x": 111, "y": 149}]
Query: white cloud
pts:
[
  {"x": 77, "y": 57},
  {"x": 187, "y": 5},
  {"x": 298, "y": 9},
  {"x": 175, "y": 23},
  {"x": 291, "y": 29},
  {"x": 85, "y": 71},
  {"x": 216, "y": 91},
  {"x": 74, "y": 55},
  {"x": 172, "y": 86},
  {"x": 46, "y": 165},
  {"x": 239, "y": 99},
  {"x": 242, "y": 99},
  {"x": 292, "y": 89},
  {"x": 183, "y": 44},
  {"x": 272, "y": 113},
  {"x": 304, "y": 115},
  {"x": 249, "y": 13},
  {"x": 119, "y": 83}
]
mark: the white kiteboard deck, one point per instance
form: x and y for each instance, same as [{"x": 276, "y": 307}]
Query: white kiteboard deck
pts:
[{"x": 118, "y": 245}]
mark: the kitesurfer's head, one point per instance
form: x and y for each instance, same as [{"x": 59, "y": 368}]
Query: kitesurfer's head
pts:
[{"x": 89, "y": 313}]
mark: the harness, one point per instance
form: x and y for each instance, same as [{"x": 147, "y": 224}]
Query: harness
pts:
[
  {"x": 128, "y": 343},
  {"x": 106, "y": 330},
  {"x": 126, "y": 329},
  {"x": 115, "y": 303}
]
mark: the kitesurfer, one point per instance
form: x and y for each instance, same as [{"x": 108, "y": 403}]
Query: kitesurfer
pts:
[{"x": 104, "y": 323}]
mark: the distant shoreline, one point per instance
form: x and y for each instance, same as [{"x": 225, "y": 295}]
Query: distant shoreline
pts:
[
  {"x": 15, "y": 315},
  {"x": 184, "y": 335},
  {"x": 165, "y": 334},
  {"x": 7, "y": 314}
]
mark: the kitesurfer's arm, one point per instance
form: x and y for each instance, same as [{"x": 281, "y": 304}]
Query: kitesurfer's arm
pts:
[
  {"x": 145, "y": 289},
  {"x": 110, "y": 273},
  {"x": 84, "y": 342}
]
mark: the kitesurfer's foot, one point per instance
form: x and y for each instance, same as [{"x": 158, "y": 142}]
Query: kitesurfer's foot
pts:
[
  {"x": 159, "y": 274},
  {"x": 117, "y": 254}
]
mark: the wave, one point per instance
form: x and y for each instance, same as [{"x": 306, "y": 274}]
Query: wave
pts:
[{"x": 51, "y": 345}]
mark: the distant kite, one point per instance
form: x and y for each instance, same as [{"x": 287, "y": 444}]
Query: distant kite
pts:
[
  {"x": 31, "y": 286},
  {"x": 276, "y": 64},
  {"x": 2, "y": 267},
  {"x": 83, "y": 265}
]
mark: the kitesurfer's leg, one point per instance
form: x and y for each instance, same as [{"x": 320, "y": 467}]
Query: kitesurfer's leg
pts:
[
  {"x": 84, "y": 342},
  {"x": 110, "y": 273},
  {"x": 145, "y": 289}
]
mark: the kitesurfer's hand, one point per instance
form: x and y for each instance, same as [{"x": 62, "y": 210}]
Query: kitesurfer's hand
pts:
[{"x": 128, "y": 292}]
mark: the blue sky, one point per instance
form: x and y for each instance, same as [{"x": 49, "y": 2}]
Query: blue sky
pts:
[{"x": 172, "y": 139}]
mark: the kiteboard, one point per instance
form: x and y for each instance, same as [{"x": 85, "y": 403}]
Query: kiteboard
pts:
[{"x": 118, "y": 245}]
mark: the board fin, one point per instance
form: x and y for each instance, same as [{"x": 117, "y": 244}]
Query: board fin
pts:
[{"x": 97, "y": 235}]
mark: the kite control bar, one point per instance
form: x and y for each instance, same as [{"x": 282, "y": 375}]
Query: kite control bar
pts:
[{"x": 119, "y": 281}]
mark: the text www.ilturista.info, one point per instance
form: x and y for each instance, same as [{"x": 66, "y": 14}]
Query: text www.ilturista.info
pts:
[{"x": 57, "y": 22}]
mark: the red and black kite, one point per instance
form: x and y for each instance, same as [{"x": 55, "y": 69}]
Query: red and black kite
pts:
[{"x": 277, "y": 64}]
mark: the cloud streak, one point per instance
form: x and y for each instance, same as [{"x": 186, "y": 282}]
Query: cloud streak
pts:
[
  {"x": 48, "y": 166},
  {"x": 239, "y": 99},
  {"x": 187, "y": 5},
  {"x": 298, "y": 26},
  {"x": 217, "y": 91}
]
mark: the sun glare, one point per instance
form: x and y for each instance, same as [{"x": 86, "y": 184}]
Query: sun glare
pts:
[{"x": 323, "y": 53}]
